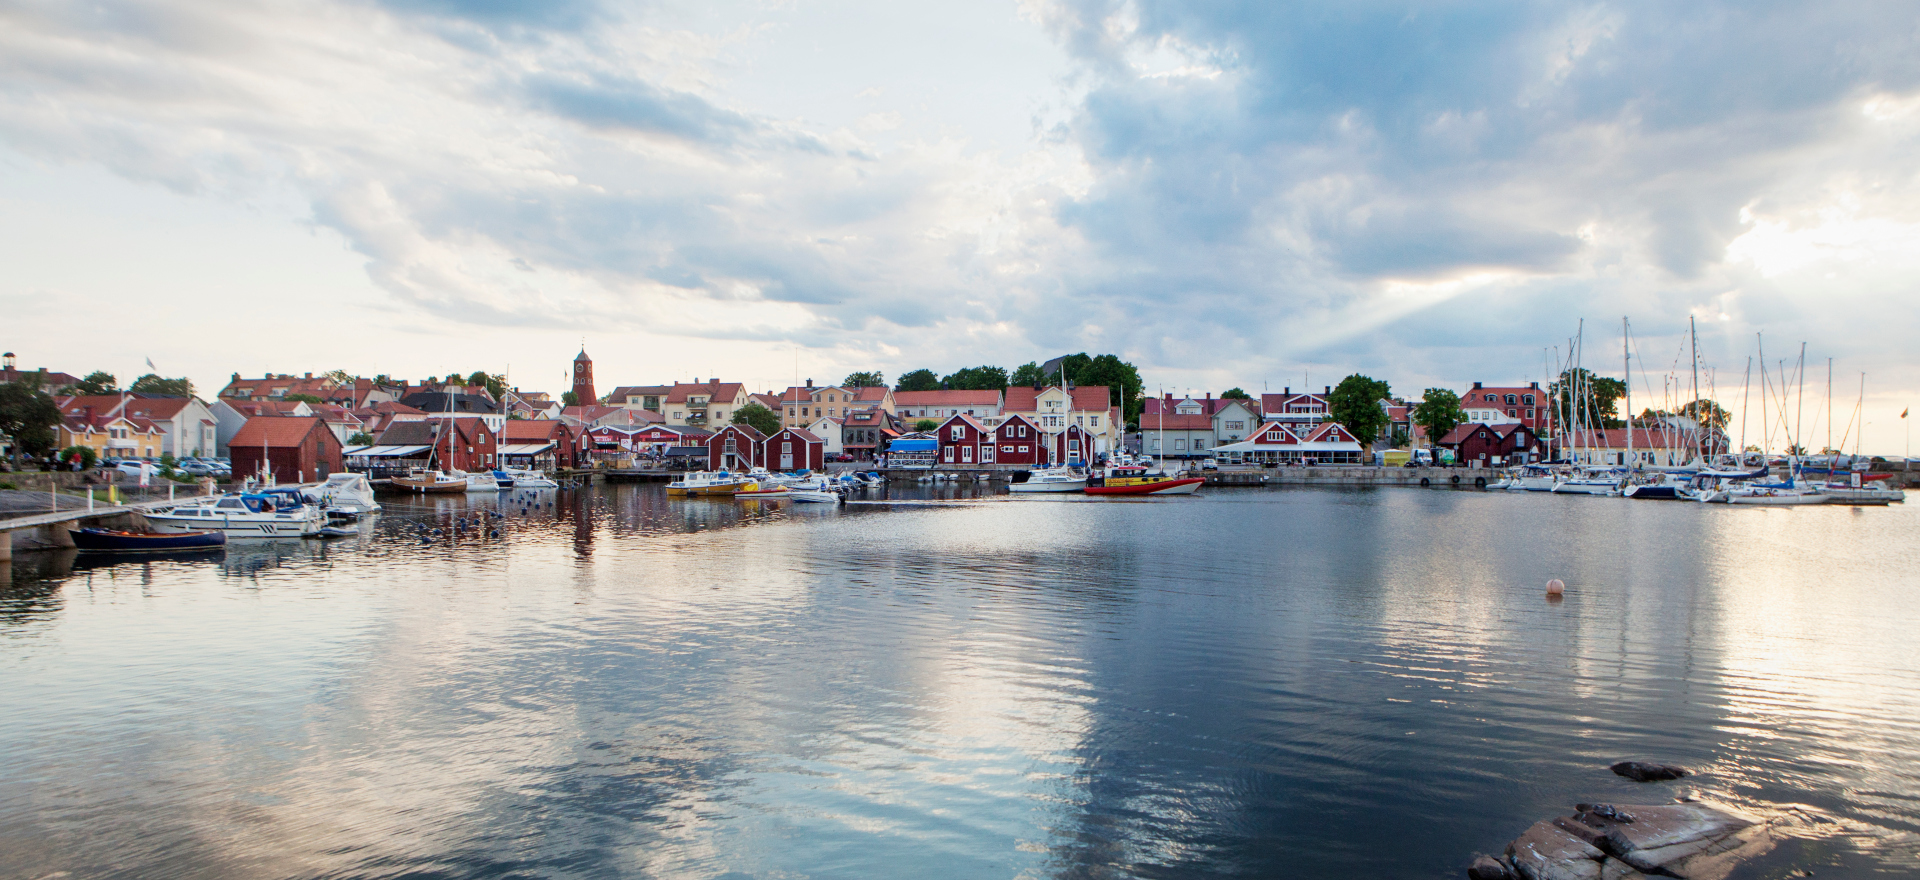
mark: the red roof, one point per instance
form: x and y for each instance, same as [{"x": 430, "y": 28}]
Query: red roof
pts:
[
  {"x": 946, "y": 398},
  {"x": 157, "y": 408},
  {"x": 528, "y": 429},
  {"x": 1175, "y": 422},
  {"x": 277, "y": 431},
  {"x": 801, "y": 433},
  {"x": 715, "y": 391},
  {"x": 1090, "y": 398},
  {"x": 871, "y": 394}
]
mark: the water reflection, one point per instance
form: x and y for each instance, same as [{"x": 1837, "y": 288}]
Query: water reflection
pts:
[{"x": 1267, "y": 682}]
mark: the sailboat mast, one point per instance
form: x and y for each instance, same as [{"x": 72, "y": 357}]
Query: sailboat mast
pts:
[
  {"x": 1693, "y": 341},
  {"x": 1800, "y": 400},
  {"x": 1626, "y": 374},
  {"x": 1766, "y": 438},
  {"x": 1746, "y": 397}
]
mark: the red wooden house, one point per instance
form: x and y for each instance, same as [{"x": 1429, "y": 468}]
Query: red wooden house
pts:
[
  {"x": 737, "y": 448},
  {"x": 539, "y": 442},
  {"x": 1478, "y": 445},
  {"x": 1018, "y": 441},
  {"x": 293, "y": 449},
  {"x": 964, "y": 442},
  {"x": 1075, "y": 444},
  {"x": 795, "y": 449}
]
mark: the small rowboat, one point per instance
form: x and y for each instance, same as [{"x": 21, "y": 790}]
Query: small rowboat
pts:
[{"x": 112, "y": 541}]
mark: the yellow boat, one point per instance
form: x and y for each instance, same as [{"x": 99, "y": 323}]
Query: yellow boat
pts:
[{"x": 709, "y": 483}]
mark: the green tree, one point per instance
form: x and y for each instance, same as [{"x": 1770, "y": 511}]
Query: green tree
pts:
[
  {"x": 97, "y": 382},
  {"x": 1599, "y": 403},
  {"x": 29, "y": 416},
  {"x": 981, "y": 378},
  {"x": 87, "y": 456},
  {"x": 360, "y": 438},
  {"x": 926, "y": 425},
  {"x": 1027, "y": 374},
  {"x": 568, "y": 398},
  {"x": 153, "y": 384},
  {"x": 495, "y": 383},
  {"x": 302, "y": 398},
  {"x": 866, "y": 379},
  {"x": 1235, "y": 394},
  {"x": 1355, "y": 403},
  {"x": 764, "y": 420},
  {"x": 1121, "y": 378},
  {"x": 919, "y": 380},
  {"x": 1707, "y": 413},
  {"x": 1439, "y": 413}
]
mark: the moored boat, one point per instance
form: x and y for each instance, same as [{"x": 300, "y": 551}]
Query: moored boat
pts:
[
  {"x": 708, "y": 483},
  {"x": 116, "y": 541},
  {"x": 760, "y": 490},
  {"x": 1048, "y": 480},
  {"x": 242, "y": 516},
  {"x": 1135, "y": 480},
  {"x": 428, "y": 480},
  {"x": 817, "y": 490},
  {"x": 347, "y": 492}
]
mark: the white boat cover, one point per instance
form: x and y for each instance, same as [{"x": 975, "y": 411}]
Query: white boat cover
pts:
[{"x": 524, "y": 448}]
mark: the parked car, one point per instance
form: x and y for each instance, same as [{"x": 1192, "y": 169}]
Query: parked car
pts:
[
  {"x": 133, "y": 466},
  {"x": 194, "y": 467},
  {"x": 1209, "y": 464}
]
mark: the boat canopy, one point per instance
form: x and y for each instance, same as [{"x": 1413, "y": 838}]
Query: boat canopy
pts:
[
  {"x": 384, "y": 451},
  {"x": 524, "y": 448}
]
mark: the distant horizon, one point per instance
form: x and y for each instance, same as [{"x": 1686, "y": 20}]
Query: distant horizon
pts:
[{"x": 1223, "y": 194}]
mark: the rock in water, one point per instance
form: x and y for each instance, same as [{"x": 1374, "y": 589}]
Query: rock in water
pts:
[
  {"x": 1489, "y": 868},
  {"x": 1640, "y": 771},
  {"x": 1607, "y": 842}
]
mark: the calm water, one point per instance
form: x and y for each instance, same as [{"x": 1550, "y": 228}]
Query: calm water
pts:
[{"x": 1255, "y": 682}]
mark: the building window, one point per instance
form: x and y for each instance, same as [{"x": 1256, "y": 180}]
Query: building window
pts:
[
  {"x": 1178, "y": 445},
  {"x": 1528, "y": 400},
  {"x": 959, "y": 432},
  {"x": 1006, "y": 449},
  {"x": 1023, "y": 449}
]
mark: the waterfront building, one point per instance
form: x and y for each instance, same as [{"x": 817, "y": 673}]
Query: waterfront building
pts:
[
  {"x": 231, "y": 414},
  {"x": 649, "y": 398},
  {"x": 865, "y": 433},
  {"x": 1657, "y": 446},
  {"x": 464, "y": 443},
  {"x": 1176, "y": 435},
  {"x": 965, "y": 442},
  {"x": 1504, "y": 405},
  {"x": 187, "y": 425},
  {"x": 541, "y": 443},
  {"x": 457, "y": 402},
  {"x": 1234, "y": 420},
  {"x": 110, "y": 433},
  {"x": 1018, "y": 441},
  {"x": 804, "y": 405},
  {"x": 1295, "y": 442},
  {"x": 1491, "y": 446},
  {"x": 829, "y": 429},
  {"x": 737, "y": 448},
  {"x": 52, "y": 382},
  {"x": 597, "y": 415},
  {"x": 794, "y": 449},
  {"x": 293, "y": 449},
  {"x": 1072, "y": 445},
  {"x": 879, "y": 396}
]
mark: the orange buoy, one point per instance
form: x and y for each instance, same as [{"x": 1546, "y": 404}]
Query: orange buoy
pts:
[{"x": 1555, "y": 587}]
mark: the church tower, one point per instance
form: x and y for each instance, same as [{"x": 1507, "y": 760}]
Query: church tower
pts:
[{"x": 583, "y": 379}]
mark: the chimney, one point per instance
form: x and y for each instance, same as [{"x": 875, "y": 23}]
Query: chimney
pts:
[
  {"x": 1533, "y": 384},
  {"x": 309, "y": 375},
  {"x": 1285, "y": 390},
  {"x": 1327, "y": 392},
  {"x": 1476, "y": 385},
  {"x": 236, "y": 377},
  {"x": 809, "y": 383},
  {"x": 1169, "y": 398}
]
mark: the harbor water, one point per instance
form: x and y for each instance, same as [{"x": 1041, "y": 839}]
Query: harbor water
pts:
[{"x": 1249, "y": 682}]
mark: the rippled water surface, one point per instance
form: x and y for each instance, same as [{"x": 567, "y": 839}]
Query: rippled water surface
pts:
[{"x": 1275, "y": 683}]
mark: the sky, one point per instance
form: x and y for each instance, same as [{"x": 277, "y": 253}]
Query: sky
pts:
[{"x": 1252, "y": 194}]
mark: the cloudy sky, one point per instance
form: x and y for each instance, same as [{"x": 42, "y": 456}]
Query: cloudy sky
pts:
[{"x": 1225, "y": 193}]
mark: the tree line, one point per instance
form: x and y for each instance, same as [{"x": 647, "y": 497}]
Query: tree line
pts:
[{"x": 1121, "y": 378}]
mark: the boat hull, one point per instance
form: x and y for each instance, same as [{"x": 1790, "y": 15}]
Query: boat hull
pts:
[
  {"x": 431, "y": 486},
  {"x": 245, "y": 527},
  {"x": 817, "y": 496},
  {"x": 1182, "y": 486},
  {"x": 111, "y": 541},
  {"x": 1783, "y": 499},
  {"x": 1060, "y": 487},
  {"x": 1652, "y": 493}
]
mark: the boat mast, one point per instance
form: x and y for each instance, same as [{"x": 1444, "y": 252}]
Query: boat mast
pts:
[
  {"x": 1693, "y": 341},
  {"x": 1800, "y": 400},
  {"x": 1766, "y": 438},
  {"x": 1626, "y": 373},
  {"x": 1746, "y": 384}
]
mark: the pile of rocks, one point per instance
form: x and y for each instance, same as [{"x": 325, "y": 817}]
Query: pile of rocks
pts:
[{"x": 1629, "y": 841}]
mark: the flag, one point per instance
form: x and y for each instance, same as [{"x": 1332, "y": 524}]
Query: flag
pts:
[
  {"x": 150, "y": 365},
  {"x": 1903, "y": 413}
]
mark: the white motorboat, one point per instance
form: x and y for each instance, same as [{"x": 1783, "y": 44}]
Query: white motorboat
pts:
[
  {"x": 817, "y": 490},
  {"x": 429, "y": 480},
  {"x": 349, "y": 492},
  {"x": 1599, "y": 482},
  {"x": 531, "y": 479},
  {"x": 1877, "y": 494},
  {"x": 242, "y": 516},
  {"x": 1775, "y": 495},
  {"x": 1531, "y": 478},
  {"x": 1048, "y": 481},
  {"x": 481, "y": 481}
]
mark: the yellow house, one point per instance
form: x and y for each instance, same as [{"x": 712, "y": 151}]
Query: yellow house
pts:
[{"x": 118, "y": 436}]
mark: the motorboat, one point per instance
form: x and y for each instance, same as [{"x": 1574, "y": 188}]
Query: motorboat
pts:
[
  {"x": 481, "y": 481},
  {"x": 1775, "y": 494},
  {"x": 1048, "y": 480},
  {"x": 503, "y": 479},
  {"x": 1861, "y": 495},
  {"x": 429, "y": 480},
  {"x": 1712, "y": 485},
  {"x": 1136, "y": 480},
  {"x": 347, "y": 492},
  {"x": 116, "y": 541},
  {"x": 531, "y": 479},
  {"x": 1530, "y": 478},
  {"x": 708, "y": 483},
  {"x": 817, "y": 490},
  {"x": 760, "y": 490},
  {"x": 252, "y": 515}
]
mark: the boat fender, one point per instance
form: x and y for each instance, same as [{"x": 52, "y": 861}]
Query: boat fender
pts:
[
  {"x": 1455, "y": 479},
  {"x": 1481, "y": 482},
  {"x": 1424, "y": 482},
  {"x": 1556, "y": 587}
]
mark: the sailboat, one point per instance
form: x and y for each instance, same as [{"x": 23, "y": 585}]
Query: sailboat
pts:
[{"x": 431, "y": 479}]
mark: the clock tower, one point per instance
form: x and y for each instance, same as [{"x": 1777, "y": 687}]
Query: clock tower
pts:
[{"x": 583, "y": 379}]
